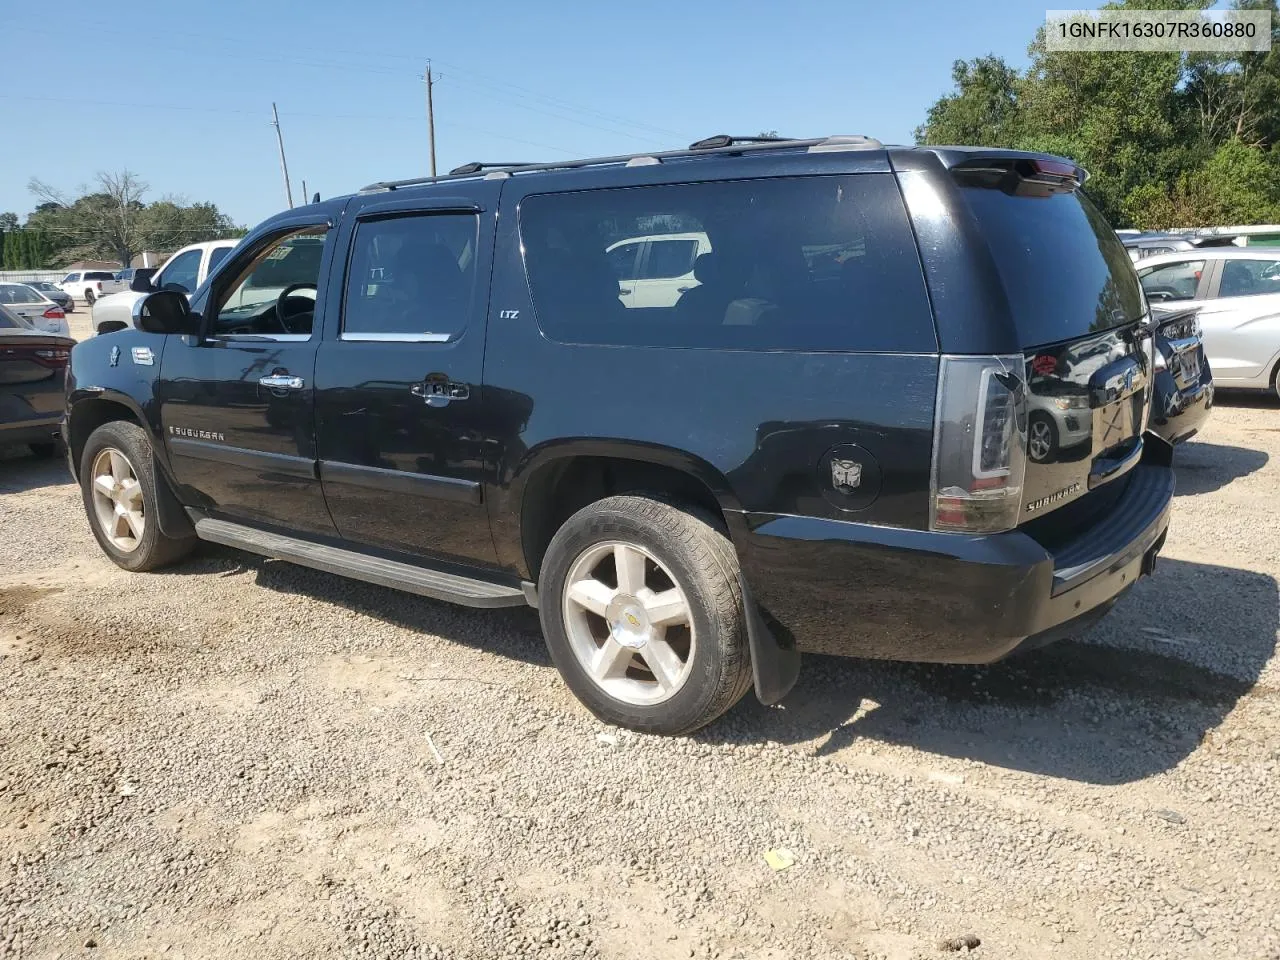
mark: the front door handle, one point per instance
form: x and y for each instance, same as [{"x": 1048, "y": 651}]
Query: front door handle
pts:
[{"x": 282, "y": 381}]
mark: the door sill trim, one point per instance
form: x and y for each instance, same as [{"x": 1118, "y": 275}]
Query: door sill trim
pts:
[{"x": 423, "y": 581}]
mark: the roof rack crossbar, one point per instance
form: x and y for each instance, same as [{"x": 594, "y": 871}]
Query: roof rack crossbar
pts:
[{"x": 732, "y": 149}]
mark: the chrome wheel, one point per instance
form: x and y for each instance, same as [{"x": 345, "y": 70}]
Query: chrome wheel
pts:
[
  {"x": 628, "y": 622},
  {"x": 117, "y": 500},
  {"x": 1039, "y": 440}
]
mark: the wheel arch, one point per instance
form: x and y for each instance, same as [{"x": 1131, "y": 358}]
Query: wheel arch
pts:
[
  {"x": 556, "y": 480},
  {"x": 87, "y": 414}
]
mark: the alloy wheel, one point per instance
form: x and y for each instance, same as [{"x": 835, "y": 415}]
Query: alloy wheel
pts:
[
  {"x": 628, "y": 623},
  {"x": 117, "y": 500},
  {"x": 1039, "y": 441}
]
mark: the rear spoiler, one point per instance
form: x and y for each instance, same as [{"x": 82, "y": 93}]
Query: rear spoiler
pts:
[{"x": 1024, "y": 175}]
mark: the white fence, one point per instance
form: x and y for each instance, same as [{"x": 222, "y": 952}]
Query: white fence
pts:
[{"x": 26, "y": 276}]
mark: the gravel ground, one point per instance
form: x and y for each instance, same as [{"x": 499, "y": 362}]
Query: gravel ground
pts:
[{"x": 240, "y": 755}]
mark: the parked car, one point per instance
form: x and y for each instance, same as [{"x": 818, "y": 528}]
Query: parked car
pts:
[
  {"x": 54, "y": 293},
  {"x": 1183, "y": 391},
  {"x": 184, "y": 272},
  {"x": 1237, "y": 295},
  {"x": 90, "y": 285},
  {"x": 806, "y": 451},
  {"x": 656, "y": 271},
  {"x": 1143, "y": 245},
  {"x": 34, "y": 307},
  {"x": 32, "y": 385}
]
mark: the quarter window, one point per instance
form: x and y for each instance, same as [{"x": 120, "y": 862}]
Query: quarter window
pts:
[
  {"x": 813, "y": 263},
  {"x": 411, "y": 277}
]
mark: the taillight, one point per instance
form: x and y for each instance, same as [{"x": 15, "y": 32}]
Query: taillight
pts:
[
  {"x": 54, "y": 313},
  {"x": 979, "y": 444},
  {"x": 55, "y": 358},
  {"x": 98, "y": 284}
]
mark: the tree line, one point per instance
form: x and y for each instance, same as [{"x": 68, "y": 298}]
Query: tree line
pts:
[
  {"x": 1170, "y": 139},
  {"x": 110, "y": 221}
]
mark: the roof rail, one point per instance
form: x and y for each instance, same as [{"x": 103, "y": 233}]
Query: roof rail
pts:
[
  {"x": 724, "y": 140},
  {"x": 477, "y": 166},
  {"x": 733, "y": 148}
]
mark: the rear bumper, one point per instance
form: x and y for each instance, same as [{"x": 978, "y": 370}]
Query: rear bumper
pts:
[
  {"x": 856, "y": 590},
  {"x": 36, "y": 430},
  {"x": 1177, "y": 414}
]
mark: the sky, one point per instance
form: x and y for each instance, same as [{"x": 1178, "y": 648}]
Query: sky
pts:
[{"x": 181, "y": 93}]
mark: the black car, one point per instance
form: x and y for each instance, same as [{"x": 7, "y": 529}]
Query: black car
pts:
[
  {"x": 813, "y": 438},
  {"x": 32, "y": 370},
  {"x": 54, "y": 293}
]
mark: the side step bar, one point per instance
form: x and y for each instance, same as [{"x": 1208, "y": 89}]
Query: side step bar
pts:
[{"x": 359, "y": 566}]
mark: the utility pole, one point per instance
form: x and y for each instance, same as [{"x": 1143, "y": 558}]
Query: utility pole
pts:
[
  {"x": 431, "y": 120},
  {"x": 304, "y": 191},
  {"x": 284, "y": 167}
]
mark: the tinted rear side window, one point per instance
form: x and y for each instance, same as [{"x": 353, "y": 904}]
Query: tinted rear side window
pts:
[
  {"x": 812, "y": 263},
  {"x": 1064, "y": 270},
  {"x": 99, "y": 275}
]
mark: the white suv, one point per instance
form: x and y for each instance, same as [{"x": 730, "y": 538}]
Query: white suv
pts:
[
  {"x": 184, "y": 271},
  {"x": 90, "y": 285}
]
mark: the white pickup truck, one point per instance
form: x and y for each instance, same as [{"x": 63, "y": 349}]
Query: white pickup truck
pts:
[
  {"x": 185, "y": 271},
  {"x": 90, "y": 285}
]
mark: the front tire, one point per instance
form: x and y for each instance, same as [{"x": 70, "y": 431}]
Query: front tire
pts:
[
  {"x": 1042, "y": 438},
  {"x": 118, "y": 484},
  {"x": 642, "y": 609}
]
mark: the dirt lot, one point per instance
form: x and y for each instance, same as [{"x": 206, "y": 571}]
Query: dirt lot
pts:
[{"x": 240, "y": 757}]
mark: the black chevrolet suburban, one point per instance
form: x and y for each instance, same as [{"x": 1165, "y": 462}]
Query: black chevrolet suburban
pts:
[{"x": 704, "y": 409}]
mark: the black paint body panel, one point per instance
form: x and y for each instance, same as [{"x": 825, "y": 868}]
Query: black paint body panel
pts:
[{"x": 357, "y": 459}]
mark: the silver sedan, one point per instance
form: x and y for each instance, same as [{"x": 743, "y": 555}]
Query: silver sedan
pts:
[{"x": 1238, "y": 292}]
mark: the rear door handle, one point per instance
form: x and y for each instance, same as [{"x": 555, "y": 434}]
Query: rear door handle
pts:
[
  {"x": 282, "y": 381},
  {"x": 439, "y": 391}
]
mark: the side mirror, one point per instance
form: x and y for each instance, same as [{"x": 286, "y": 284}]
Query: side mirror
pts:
[
  {"x": 164, "y": 312},
  {"x": 141, "y": 282}
]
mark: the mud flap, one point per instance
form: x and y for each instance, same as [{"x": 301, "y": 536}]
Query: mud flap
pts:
[
  {"x": 775, "y": 661},
  {"x": 174, "y": 521}
]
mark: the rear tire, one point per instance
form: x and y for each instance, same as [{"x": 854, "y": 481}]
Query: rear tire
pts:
[
  {"x": 118, "y": 485},
  {"x": 89, "y": 297},
  {"x": 1275, "y": 381},
  {"x": 642, "y": 609}
]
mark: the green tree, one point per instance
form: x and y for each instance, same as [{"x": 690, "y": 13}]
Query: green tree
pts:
[
  {"x": 983, "y": 110},
  {"x": 1169, "y": 139},
  {"x": 170, "y": 223}
]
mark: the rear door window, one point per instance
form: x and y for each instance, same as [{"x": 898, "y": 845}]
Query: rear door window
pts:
[
  {"x": 411, "y": 277},
  {"x": 822, "y": 263},
  {"x": 1249, "y": 278}
]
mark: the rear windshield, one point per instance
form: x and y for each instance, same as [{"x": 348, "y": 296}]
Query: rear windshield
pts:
[{"x": 1064, "y": 270}]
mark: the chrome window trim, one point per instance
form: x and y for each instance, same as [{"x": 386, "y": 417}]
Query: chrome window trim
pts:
[
  {"x": 397, "y": 337},
  {"x": 259, "y": 337}
]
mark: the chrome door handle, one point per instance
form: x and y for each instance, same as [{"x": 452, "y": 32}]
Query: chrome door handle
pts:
[{"x": 282, "y": 381}]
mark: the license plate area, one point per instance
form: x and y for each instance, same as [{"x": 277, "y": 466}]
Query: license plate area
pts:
[{"x": 1188, "y": 368}]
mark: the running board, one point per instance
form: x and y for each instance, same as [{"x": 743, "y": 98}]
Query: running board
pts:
[{"x": 360, "y": 566}]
